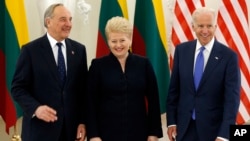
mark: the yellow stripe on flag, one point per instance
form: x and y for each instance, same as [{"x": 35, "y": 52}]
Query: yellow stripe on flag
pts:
[
  {"x": 160, "y": 22},
  {"x": 17, "y": 14},
  {"x": 123, "y": 5}
]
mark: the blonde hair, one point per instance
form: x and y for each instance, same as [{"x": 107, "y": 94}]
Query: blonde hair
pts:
[{"x": 120, "y": 25}]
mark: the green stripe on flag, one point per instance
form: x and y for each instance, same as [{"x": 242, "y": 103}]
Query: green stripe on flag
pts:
[
  {"x": 14, "y": 34},
  {"x": 147, "y": 33}
]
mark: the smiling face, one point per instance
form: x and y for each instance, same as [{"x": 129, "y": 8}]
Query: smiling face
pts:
[
  {"x": 119, "y": 44},
  {"x": 118, "y": 31},
  {"x": 204, "y": 26},
  {"x": 59, "y": 24}
]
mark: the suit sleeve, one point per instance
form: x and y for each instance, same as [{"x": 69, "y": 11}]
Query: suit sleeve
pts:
[
  {"x": 84, "y": 86},
  {"x": 92, "y": 103},
  {"x": 154, "y": 114},
  {"x": 231, "y": 95},
  {"x": 173, "y": 92},
  {"x": 21, "y": 84}
]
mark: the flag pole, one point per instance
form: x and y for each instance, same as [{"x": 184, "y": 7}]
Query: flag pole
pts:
[{"x": 16, "y": 136}]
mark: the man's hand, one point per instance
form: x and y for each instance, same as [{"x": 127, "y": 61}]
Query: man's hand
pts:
[
  {"x": 81, "y": 132},
  {"x": 172, "y": 133},
  {"x": 220, "y": 139},
  {"x": 96, "y": 139},
  {"x": 46, "y": 113}
]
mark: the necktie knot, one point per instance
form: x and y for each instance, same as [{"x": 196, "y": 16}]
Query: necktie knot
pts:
[
  {"x": 202, "y": 49},
  {"x": 59, "y": 44}
]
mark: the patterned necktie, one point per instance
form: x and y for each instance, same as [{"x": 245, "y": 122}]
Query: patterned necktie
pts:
[
  {"x": 198, "y": 71},
  {"x": 61, "y": 64}
]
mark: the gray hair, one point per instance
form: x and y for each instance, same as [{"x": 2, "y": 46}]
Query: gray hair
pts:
[
  {"x": 49, "y": 12},
  {"x": 118, "y": 24},
  {"x": 202, "y": 10}
]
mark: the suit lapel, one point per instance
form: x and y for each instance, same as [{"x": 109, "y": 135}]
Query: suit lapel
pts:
[
  {"x": 214, "y": 58},
  {"x": 71, "y": 52},
  {"x": 49, "y": 58},
  {"x": 189, "y": 62},
  {"x": 190, "y": 59}
]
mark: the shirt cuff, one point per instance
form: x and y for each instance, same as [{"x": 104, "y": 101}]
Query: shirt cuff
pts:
[{"x": 223, "y": 139}]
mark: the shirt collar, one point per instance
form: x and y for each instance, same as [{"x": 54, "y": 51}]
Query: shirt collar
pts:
[
  {"x": 53, "y": 42},
  {"x": 208, "y": 46}
]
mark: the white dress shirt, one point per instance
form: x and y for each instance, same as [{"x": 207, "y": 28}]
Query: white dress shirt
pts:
[{"x": 54, "y": 47}]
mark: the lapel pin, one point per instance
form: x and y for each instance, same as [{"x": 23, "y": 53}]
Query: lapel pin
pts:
[
  {"x": 216, "y": 58},
  {"x": 72, "y": 52}
]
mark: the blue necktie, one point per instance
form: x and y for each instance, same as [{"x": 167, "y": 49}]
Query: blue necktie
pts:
[
  {"x": 198, "y": 71},
  {"x": 61, "y": 64}
]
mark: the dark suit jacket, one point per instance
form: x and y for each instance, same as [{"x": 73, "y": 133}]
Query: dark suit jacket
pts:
[
  {"x": 217, "y": 99},
  {"x": 116, "y": 100},
  {"x": 36, "y": 82}
]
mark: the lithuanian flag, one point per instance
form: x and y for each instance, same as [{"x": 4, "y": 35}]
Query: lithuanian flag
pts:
[
  {"x": 109, "y": 9},
  {"x": 14, "y": 34},
  {"x": 149, "y": 39}
]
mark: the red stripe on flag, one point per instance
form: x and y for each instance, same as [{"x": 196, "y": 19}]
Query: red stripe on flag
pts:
[
  {"x": 102, "y": 47},
  {"x": 184, "y": 24},
  {"x": 7, "y": 111},
  {"x": 139, "y": 46},
  {"x": 236, "y": 21},
  {"x": 182, "y": 30},
  {"x": 233, "y": 30},
  {"x": 245, "y": 100},
  {"x": 232, "y": 44}
]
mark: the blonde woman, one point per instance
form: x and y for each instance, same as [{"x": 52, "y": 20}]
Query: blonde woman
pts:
[{"x": 118, "y": 85}]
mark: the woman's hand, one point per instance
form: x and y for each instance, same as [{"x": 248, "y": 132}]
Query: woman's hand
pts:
[{"x": 152, "y": 138}]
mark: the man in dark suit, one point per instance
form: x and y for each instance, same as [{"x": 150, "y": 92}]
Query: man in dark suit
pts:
[
  {"x": 53, "y": 107},
  {"x": 203, "y": 111}
]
